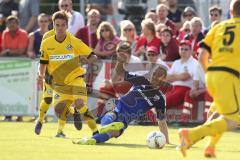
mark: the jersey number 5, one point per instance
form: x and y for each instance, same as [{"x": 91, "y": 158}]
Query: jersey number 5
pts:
[{"x": 229, "y": 31}]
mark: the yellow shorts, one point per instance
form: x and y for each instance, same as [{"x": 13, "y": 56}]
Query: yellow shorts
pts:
[
  {"x": 47, "y": 91},
  {"x": 71, "y": 92},
  {"x": 225, "y": 90}
]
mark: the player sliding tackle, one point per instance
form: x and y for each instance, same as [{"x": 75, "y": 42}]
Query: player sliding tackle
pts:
[{"x": 143, "y": 96}]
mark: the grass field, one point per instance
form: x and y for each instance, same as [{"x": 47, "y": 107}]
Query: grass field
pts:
[{"x": 18, "y": 142}]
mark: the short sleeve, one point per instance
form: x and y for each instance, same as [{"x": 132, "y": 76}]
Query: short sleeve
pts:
[
  {"x": 44, "y": 56},
  {"x": 82, "y": 48}
]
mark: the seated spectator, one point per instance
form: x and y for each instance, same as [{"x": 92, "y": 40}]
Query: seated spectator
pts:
[
  {"x": 169, "y": 45},
  {"x": 197, "y": 93},
  {"x": 76, "y": 20},
  {"x": 181, "y": 75},
  {"x": 35, "y": 38},
  {"x": 196, "y": 35},
  {"x": 153, "y": 16},
  {"x": 159, "y": 27},
  {"x": 184, "y": 30},
  {"x": 88, "y": 33},
  {"x": 215, "y": 14},
  {"x": 107, "y": 41},
  {"x": 175, "y": 14},
  {"x": 162, "y": 12},
  {"x": 14, "y": 39},
  {"x": 188, "y": 14},
  {"x": 147, "y": 39},
  {"x": 128, "y": 33}
]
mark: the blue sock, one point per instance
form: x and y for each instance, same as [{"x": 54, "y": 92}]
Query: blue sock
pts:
[{"x": 100, "y": 138}]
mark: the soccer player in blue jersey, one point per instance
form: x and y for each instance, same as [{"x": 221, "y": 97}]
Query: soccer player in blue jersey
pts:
[{"x": 143, "y": 96}]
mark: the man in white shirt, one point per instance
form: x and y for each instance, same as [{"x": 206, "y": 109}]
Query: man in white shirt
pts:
[
  {"x": 197, "y": 93},
  {"x": 76, "y": 20},
  {"x": 181, "y": 75}
]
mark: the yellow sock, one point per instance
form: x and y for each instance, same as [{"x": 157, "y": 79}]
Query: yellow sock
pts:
[
  {"x": 61, "y": 124},
  {"x": 42, "y": 111},
  {"x": 214, "y": 127},
  {"x": 89, "y": 118},
  {"x": 70, "y": 109},
  {"x": 214, "y": 139}
]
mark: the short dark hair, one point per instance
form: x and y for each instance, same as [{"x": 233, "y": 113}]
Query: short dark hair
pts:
[
  {"x": 215, "y": 8},
  {"x": 12, "y": 18},
  {"x": 60, "y": 15}
]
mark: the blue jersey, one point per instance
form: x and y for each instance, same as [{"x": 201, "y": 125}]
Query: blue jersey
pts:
[{"x": 140, "y": 99}]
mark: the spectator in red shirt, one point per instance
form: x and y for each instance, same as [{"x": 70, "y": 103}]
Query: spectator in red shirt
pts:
[
  {"x": 147, "y": 39},
  {"x": 162, "y": 12},
  {"x": 14, "y": 39},
  {"x": 88, "y": 33},
  {"x": 169, "y": 45},
  {"x": 184, "y": 30}
]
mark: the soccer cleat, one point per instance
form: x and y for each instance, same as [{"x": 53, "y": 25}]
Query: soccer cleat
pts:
[
  {"x": 209, "y": 152},
  {"x": 38, "y": 127},
  {"x": 185, "y": 142},
  {"x": 85, "y": 141},
  {"x": 77, "y": 120},
  {"x": 115, "y": 126},
  {"x": 60, "y": 135}
]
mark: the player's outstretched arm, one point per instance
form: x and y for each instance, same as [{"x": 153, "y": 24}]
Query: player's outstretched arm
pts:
[{"x": 41, "y": 74}]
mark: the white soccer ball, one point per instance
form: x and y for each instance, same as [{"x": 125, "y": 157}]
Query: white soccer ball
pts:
[{"x": 156, "y": 139}]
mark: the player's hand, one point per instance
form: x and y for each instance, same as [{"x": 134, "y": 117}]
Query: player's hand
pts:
[{"x": 40, "y": 80}]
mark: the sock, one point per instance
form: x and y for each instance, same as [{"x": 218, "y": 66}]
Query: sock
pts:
[
  {"x": 61, "y": 124},
  {"x": 89, "y": 118},
  {"x": 214, "y": 127},
  {"x": 42, "y": 111},
  {"x": 100, "y": 138},
  {"x": 214, "y": 139},
  {"x": 70, "y": 109}
]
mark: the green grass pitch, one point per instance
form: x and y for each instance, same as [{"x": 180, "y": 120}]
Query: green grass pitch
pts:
[{"x": 18, "y": 142}]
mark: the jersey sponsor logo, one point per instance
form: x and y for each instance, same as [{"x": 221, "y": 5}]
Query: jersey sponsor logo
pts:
[
  {"x": 61, "y": 57},
  {"x": 146, "y": 98},
  {"x": 69, "y": 47}
]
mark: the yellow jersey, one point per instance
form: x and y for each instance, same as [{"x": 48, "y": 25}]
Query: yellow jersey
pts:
[
  {"x": 223, "y": 41},
  {"x": 62, "y": 58}
]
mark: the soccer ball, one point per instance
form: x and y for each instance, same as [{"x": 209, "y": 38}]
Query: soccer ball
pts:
[{"x": 156, "y": 139}]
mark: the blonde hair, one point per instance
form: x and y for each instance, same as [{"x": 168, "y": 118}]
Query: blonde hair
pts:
[
  {"x": 150, "y": 25},
  {"x": 108, "y": 26},
  {"x": 123, "y": 25},
  {"x": 196, "y": 20}
]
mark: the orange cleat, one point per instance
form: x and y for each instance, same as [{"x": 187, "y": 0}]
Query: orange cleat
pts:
[
  {"x": 185, "y": 142},
  {"x": 209, "y": 152}
]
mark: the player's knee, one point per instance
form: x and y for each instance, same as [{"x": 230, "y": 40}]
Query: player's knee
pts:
[
  {"x": 59, "y": 109},
  {"x": 48, "y": 100},
  {"x": 79, "y": 103}
]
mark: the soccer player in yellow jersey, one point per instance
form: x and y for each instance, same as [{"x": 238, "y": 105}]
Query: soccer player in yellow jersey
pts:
[
  {"x": 222, "y": 79},
  {"x": 47, "y": 100},
  {"x": 60, "y": 56}
]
